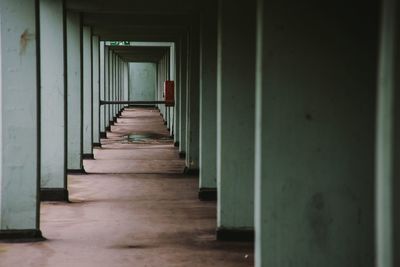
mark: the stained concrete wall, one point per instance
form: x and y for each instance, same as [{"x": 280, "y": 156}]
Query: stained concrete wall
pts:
[
  {"x": 74, "y": 88},
  {"x": 142, "y": 81},
  {"x": 316, "y": 93},
  {"x": 208, "y": 97},
  {"x": 235, "y": 115},
  {"x": 388, "y": 147},
  {"x": 52, "y": 94},
  {"x": 87, "y": 91},
  {"x": 96, "y": 88},
  {"x": 19, "y": 116}
]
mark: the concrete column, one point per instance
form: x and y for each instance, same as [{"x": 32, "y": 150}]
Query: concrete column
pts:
[
  {"x": 87, "y": 93},
  {"x": 167, "y": 77},
  {"x": 96, "y": 90},
  {"x": 116, "y": 85},
  {"x": 192, "y": 114},
  {"x": 126, "y": 81},
  {"x": 388, "y": 149},
  {"x": 116, "y": 92},
  {"x": 19, "y": 121},
  {"x": 182, "y": 97},
  {"x": 74, "y": 88},
  {"x": 316, "y": 90},
  {"x": 107, "y": 86},
  {"x": 119, "y": 85},
  {"x": 235, "y": 119},
  {"x": 161, "y": 80},
  {"x": 208, "y": 103},
  {"x": 177, "y": 92},
  {"x": 102, "y": 90},
  {"x": 53, "y": 93},
  {"x": 111, "y": 86},
  {"x": 172, "y": 76}
]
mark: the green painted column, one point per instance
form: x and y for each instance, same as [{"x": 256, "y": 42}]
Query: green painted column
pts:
[
  {"x": 208, "y": 102},
  {"x": 388, "y": 149},
  {"x": 96, "y": 89},
  {"x": 111, "y": 86},
  {"x": 192, "y": 114},
  {"x": 19, "y": 123},
  {"x": 177, "y": 92},
  {"x": 316, "y": 94},
  {"x": 235, "y": 119},
  {"x": 53, "y": 108},
  {"x": 102, "y": 72},
  {"x": 74, "y": 88},
  {"x": 87, "y": 93},
  {"x": 107, "y": 86},
  {"x": 182, "y": 97}
]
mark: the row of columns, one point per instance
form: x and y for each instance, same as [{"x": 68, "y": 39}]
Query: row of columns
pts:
[
  {"x": 287, "y": 129},
  {"x": 54, "y": 72},
  {"x": 281, "y": 100}
]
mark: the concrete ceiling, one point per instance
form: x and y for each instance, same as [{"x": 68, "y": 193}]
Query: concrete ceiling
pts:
[
  {"x": 134, "y": 6},
  {"x": 134, "y": 20}
]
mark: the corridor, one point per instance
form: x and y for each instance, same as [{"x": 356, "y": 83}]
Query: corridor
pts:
[
  {"x": 133, "y": 208},
  {"x": 199, "y": 133}
]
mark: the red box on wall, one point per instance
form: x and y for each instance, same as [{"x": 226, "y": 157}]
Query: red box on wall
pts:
[{"x": 169, "y": 93}]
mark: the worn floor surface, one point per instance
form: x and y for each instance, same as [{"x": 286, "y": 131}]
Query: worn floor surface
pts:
[{"x": 134, "y": 208}]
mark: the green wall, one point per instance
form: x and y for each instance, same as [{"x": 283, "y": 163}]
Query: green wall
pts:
[{"x": 142, "y": 81}]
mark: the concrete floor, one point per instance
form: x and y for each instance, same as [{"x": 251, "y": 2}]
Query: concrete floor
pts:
[{"x": 135, "y": 208}]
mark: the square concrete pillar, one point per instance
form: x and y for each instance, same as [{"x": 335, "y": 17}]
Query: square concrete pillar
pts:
[
  {"x": 183, "y": 96},
  {"x": 19, "y": 123},
  {"x": 111, "y": 86},
  {"x": 126, "y": 82},
  {"x": 315, "y": 145},
  {"x": 96, "y": 90},
  {"x": 192, "y": 114},
  {"x": 103, "y": 122},
  {"x": 208, "y": 102},
  {"x": 235, "y": 119},
  {"x": 388, "y": 150},
  {"x": 74, "y": 94},
  {"x": 87, "y": 93},
  {"x": 53, "y": 107},
  {"x": 177, "y": 93},
  {"x": 107, "y": 86}
]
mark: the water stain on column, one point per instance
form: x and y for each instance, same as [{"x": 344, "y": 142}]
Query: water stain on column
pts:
[
  {"x": 24, "y": 40},
  {"x": 319, "y": 220}
]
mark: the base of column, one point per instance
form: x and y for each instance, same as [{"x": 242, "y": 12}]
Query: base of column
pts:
[
  {"x": 235, "y": 234},
  {"x": 208, "y": 194},
  {"x": 182, "y": 154},
  {"x": 54, "y": 194},
  {"x": 103, "y": 135},
  {"x": 87, "y": 156},
  {"x": 98, "y": 145},
  {"x": 76, "y": 171},
  {"x": 191, "y": 172},
  {"x": 176, "y": 144},
  {"x": 21, "y": 236}
]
